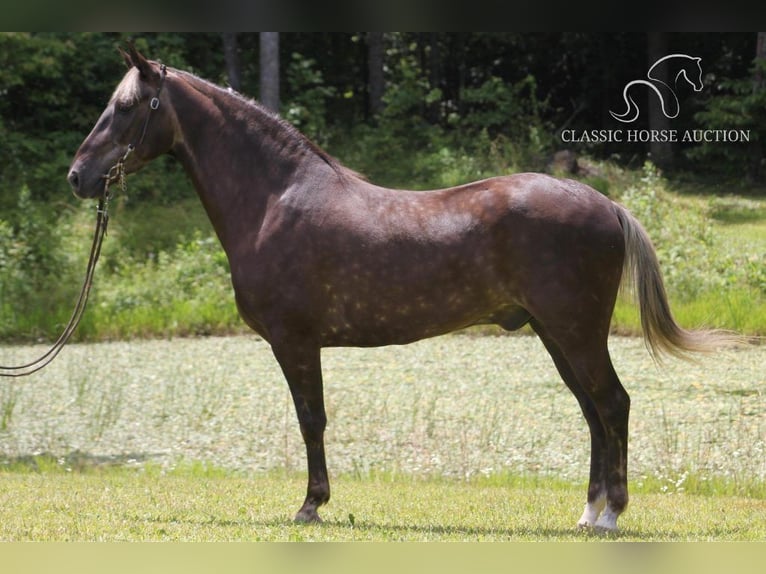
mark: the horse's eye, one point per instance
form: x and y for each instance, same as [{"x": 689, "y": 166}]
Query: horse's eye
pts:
[{"x": 123, "y": 107}]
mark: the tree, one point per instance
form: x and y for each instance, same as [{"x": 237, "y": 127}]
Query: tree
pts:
[
  {"x": 760, "y": 58},
  {"x": 738, "y": 103},
  {"x": 231, "y": 57},
  {"x": 376, "y": 85},
  {"x": 269, "y": 60},
  {"x": 661, "y": 151},
  {"x": 434, "y": 65}
]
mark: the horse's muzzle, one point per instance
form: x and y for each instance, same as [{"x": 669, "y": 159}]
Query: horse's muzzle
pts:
[
  {"x": 83, "y": 186},
  {"x": 74, "y": 180}
]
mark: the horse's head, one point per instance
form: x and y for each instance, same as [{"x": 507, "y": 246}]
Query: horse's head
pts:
[
  {"x": 692, "y": 73},
  {"x": 137, "y": 118}
]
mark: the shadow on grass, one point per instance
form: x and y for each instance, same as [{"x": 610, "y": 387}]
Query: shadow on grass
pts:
[
  {"x": 477, "y": 533},
  {"x": 282, "y": 528},
  {"x": 370, "y": 530}
]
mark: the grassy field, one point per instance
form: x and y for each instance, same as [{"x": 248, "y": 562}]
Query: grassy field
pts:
[
  {"x": 199, "y": 504},
  {"x": 455, "y": 438}
]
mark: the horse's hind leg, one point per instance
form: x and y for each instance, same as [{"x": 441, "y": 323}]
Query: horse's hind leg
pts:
[
  {"x": 612, "y": 403},
  {"x": 597, "y": 481},
  {"x": 587, "y": 370},
  {"x": 301, "y": 366}
]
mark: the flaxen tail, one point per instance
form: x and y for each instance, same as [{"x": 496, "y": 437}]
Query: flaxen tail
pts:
[{"x": 641, "y": 270}]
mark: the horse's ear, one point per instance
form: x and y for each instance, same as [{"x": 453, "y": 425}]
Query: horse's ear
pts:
[
  {"x": 134, "y": 58},
  {"x": 126, "y": 58}
]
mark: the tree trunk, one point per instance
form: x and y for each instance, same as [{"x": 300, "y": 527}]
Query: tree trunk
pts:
[
  {"x": 434, "y": 75},
  {"x": 376, "y": 83},
  {"x": 462, "y": 70},
  {"x": 661, "y": 152},
  {"x": 231, "y": 57},
  {"x": 269, "y": 60},
  {"x": 760, "y": 58}
]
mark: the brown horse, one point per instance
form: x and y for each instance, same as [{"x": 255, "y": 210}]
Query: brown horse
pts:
[{"x": 320, "y": 257}]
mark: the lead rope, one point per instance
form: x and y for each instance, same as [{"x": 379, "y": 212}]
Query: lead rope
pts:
[{"x": 116, "y": 173}]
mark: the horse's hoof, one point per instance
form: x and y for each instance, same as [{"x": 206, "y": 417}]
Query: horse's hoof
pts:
[
  {"x": 597, "y": 528},
  {"x": 607, "y": 522},
  {"x": 307, "y": 516},
  {"x": 591, "y": 513}
]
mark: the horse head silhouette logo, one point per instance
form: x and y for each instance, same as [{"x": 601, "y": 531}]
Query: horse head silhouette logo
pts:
[{"x": 677, "y": 66}]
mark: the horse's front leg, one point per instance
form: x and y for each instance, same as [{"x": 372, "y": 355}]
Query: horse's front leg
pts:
[{"x": 302, "y": 368}]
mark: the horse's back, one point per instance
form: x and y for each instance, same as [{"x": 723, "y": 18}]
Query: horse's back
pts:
[{"x": 483, "y": 202}]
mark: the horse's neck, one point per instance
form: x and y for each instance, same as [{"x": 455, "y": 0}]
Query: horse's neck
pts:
[{"x": 237, "y": 164}]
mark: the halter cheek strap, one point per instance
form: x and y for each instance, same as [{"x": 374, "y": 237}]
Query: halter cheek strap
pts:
[{"x": 154, "y": 103}]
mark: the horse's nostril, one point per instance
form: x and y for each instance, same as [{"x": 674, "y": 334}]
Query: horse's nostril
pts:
[{"x": 74, "y": 179}]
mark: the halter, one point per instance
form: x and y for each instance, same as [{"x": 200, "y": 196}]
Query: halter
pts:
[
  {"x": 154, "y": 103},
  {"x": 115, "y": 173}
]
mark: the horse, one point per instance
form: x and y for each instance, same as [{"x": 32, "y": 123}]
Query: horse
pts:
[
  {"x": 676, "y": 66},
  {"x": 321, "y": 257}
]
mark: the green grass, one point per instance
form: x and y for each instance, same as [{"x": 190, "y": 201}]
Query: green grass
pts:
[
  {"x": 199, "y": 503},
  {"x": 739, "y": 310},
  {"x": 714, "y": 261},
  {"x": 453, "y": 438},
  {"x": 176, "y": 318},
  {"x": 147, "y": 228}
]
